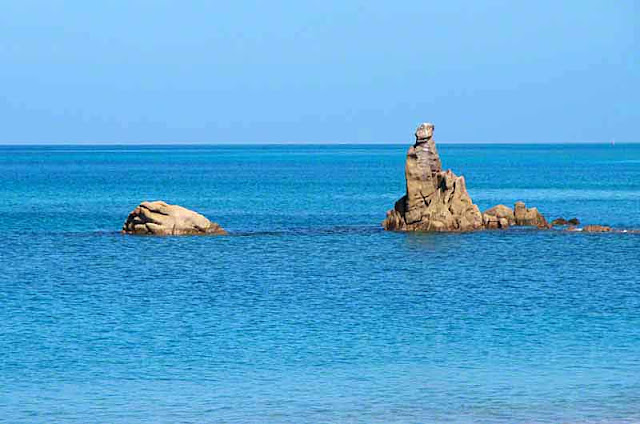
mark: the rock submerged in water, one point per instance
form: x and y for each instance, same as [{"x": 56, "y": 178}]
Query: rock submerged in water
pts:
[
  {"x": 559, "y": 221},
  {"x": 593, "y": 228},
  {"x": 596, "y": 229},
  {"x": 564, "y": 222},
  {"x": 436, "y": 200},
  {"x": 160, "y": 218}
]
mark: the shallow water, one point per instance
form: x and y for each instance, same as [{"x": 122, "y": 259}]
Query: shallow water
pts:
[{"x": 310, "y": 312}]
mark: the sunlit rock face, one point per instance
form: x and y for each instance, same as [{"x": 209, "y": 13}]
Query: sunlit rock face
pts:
[
  {"x": 160, "y": 218},
  {"x": 435, "y": 200},
  {"x": 499, "y": 216},
  {"x": 530, "y": 217}
]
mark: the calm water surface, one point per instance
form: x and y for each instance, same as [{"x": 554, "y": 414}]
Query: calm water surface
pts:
[{"x": 309, "y": 312}]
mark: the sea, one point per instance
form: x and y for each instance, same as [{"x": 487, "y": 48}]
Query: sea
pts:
[{"x": 308, "y": 312}]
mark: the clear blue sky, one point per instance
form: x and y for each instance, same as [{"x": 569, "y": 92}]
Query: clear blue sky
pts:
[{"x": 319, "y": 71}]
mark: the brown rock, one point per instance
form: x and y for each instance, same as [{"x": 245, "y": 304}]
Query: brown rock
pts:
[
  {"x": 562, "y": 221},
  {"x": 596, "y": 229},
  {"x": 497, "y": 214},
  {"x": 490, "y": 221},
  {"x": 529, "y": 217},
  {"x": 435, "y": 200},
  {"x": 160, "y": 218},
  {"x": 493, "y": 222},
  {"x": 424, "y": 132}
]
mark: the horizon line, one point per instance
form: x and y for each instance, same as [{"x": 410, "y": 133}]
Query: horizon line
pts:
[{"x": 303, "y": 143}]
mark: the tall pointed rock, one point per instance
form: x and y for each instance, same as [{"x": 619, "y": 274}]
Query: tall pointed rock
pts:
[{"x": 436, "y": 200}]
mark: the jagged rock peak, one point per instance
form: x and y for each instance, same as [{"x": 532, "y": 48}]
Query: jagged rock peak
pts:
[
  {"x": 424, "y": 132},
  {"x": 435, "y": 200}
]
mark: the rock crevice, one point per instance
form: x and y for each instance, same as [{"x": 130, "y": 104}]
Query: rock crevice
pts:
[
  {"x": 435, "y": 200},
  {"x": 438, "y": 200},
  {"x": 160, "y": 218}
]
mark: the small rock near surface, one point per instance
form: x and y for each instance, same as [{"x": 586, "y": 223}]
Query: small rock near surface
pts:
[
  {"x": 563, "y": 222},
  {"x": 596, "y": 229}
]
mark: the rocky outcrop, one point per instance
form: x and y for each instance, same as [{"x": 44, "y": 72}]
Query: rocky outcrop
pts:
[
  {"x": 562, "y": 221},
  {"x": 502, "y": 216},
  {"x": 160, "y": 218},
  {"x": 499, "y": 216},
  {"x": 596, "y": 229},
  {"x": 529, "y": 217},
  {"x": 435, "y": 200},
  {"x": 603, "y": 229},
  {"x": 492, "y": 222}
]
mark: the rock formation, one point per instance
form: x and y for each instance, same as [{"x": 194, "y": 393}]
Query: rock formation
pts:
[
  {"x": 559, "y": 221},
  {"x": 499, "y": 216},
  {"x": 596, "y": 229},
  {"x": 529, "y": 216},
  {"x": 602, "y": 229},
  {"x": 436, "y": 200},
  {"x": 502, "y": 216},
  {"x": 563, "y": 222},
  {"x": 160, "y": 218}
]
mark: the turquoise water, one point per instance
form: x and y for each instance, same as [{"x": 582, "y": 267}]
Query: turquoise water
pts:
[{"x": 309, "y": 312}]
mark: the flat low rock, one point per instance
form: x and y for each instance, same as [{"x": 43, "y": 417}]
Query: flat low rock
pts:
[
  {"x": 160, "y": 218},
  {"x": 563, "y": 222},
  {"x": 596, "y": 229},
  {"x": 559, "y": 221}
]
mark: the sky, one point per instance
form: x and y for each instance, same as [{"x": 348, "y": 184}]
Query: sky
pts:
[{"x": 318, "y": 71}]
